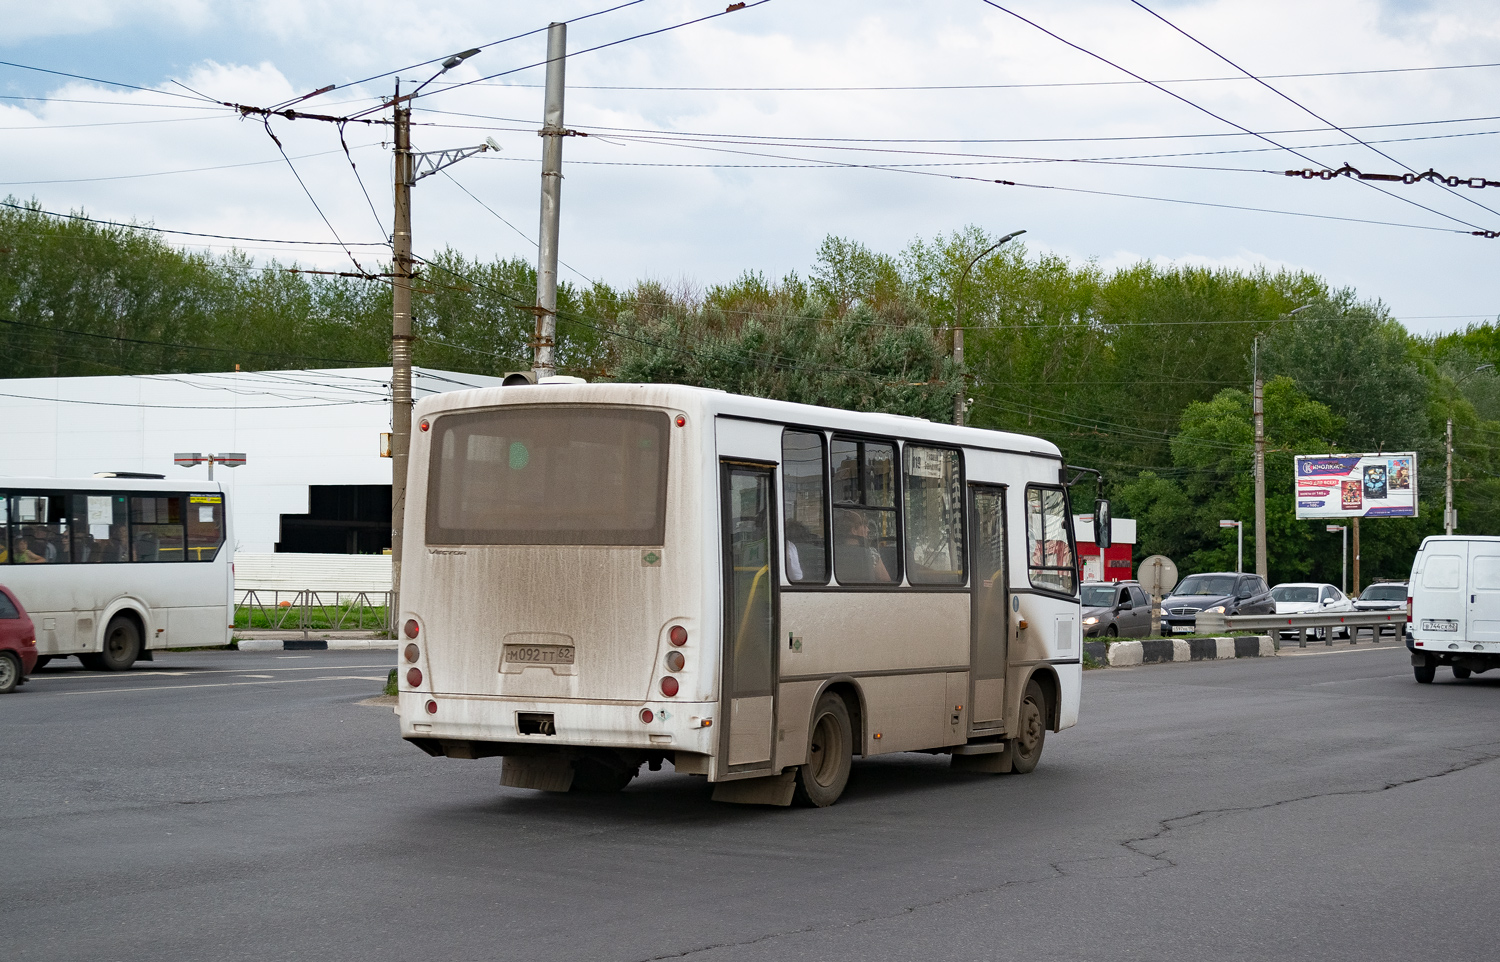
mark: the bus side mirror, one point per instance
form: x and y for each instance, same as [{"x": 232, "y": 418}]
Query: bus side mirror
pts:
[{"x": 1103, "y": 525}]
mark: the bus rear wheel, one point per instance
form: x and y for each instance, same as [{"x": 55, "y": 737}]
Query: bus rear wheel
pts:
[
  {"x": 830, "y": 755},
  {"x": 1461, "y": 673},
  {"x": 122, "y": 646},
  {"x": 1424, "y": 673},
  {"x": 1031, "y": 732}
]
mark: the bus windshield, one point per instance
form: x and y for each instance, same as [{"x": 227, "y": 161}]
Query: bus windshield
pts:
[{"x": 545, "y": 475}]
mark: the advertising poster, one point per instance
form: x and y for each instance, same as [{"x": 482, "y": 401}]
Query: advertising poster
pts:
[{"x": 1357, "y": 485}]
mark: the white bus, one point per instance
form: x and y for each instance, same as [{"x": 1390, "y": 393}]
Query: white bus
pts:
[
  {"x": 601, "y": 576},
  {"x": 111, "y": 568}
]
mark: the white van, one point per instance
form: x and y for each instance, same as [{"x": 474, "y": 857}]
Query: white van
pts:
[{"x": 1455, "y": 606}]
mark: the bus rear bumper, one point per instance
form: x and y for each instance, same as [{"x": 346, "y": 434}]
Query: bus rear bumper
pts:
[{"x": 516, "y": 726}]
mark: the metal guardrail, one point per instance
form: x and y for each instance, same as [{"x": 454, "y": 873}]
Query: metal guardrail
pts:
[
  {"x": 308, "y": 611},
  {"x": 1376, "y": 621}
]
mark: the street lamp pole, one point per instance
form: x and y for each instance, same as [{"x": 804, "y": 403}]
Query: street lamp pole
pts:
[
  {"x": 1258, "y": 412},
  {"x": 958, "y": 323},
  {"x": 1239, "y": 530},
  {"x": 1450, "y": 517}
]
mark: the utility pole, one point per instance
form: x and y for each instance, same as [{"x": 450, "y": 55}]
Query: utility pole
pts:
[
  {"x": 400, "y": 343},
  {"x": 1356, "y": 555},
  {"x": 1450, "y": 517},
  {"x": 960, "y": 401},
  {"x": 552, "y": 133},
  {"x": 1258, "y": 409}
]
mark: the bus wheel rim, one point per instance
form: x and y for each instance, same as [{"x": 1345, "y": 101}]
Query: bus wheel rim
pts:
[
  {"x": 824, "y": 750},
  {"x": 1031, "y": 724}
]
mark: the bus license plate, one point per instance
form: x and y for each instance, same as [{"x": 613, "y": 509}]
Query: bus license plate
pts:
[{"x": 539, "y": 654}]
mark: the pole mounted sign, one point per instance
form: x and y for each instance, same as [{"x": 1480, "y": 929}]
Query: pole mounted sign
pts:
[{"x": 1357, "y": 485}]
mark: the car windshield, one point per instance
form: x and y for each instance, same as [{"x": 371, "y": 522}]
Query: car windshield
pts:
[
  {"x": 1099, "y": 596},
  {"x": 1384, "y": 593},
  {"x": 1295, "y": 594},
  {"x": 1206, "y": 585}
]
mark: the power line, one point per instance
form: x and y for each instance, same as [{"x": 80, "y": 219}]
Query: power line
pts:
[
  {"x": 237, "y": 352},
  {"x": 111, "y": 83},
  {"x": 163, "y": 173},
  {"x": 1300, "y": 106},
  {"x": 1205, "y": 110},
  {"x": 1012, "y": 86},
  {"x": 188, "y": 233}
]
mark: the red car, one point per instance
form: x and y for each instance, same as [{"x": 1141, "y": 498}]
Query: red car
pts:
[{"x": 17, "y": 642}]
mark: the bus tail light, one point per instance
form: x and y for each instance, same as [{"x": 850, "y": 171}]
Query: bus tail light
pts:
[
  {"x": 412, "y": 653},
  {"x": 412, "y": 628},
  {"x": 675, "y": 661},
  {"x": 414, "y": 677},
  {"x": 431, "y": 707},
  {"x": 677, "y": 636},
  {"x": 669, "y": 686},
  {"x": 647, "y": 716}
]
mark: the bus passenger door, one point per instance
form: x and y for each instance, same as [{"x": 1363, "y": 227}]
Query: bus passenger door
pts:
[
  {"x": 748, "y": 713},
  {"x": 990, "y": 607}
]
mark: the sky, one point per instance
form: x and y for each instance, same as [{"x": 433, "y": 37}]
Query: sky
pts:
[{"x": 692, "y": 187}]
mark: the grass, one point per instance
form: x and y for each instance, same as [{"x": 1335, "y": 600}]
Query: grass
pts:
[
  {"x": 322, "y": 618},
  {"x": 390, "y": 683}
]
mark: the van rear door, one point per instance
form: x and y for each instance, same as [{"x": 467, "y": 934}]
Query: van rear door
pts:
[
  {"x": 1484, "y": 592},
  {"x": 1439, "y": 601}
]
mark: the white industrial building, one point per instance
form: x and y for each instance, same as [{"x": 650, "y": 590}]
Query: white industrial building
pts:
[{"x": 313, "y": 479}]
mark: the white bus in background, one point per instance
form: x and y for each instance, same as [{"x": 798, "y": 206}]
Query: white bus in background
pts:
[
  {"x": 601, "y": 576},
  {"x": 111, "y": 568}
]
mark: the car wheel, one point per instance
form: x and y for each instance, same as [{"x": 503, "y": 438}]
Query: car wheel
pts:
[
  {"x": 10, "y": 672},
  {"x": 1424, "y": 673},
  {"x": 1031, "y": 730},
  {"x": 1461, "y": 673},
  {"x": 1112, "y": 632},
  {"x": 830, "y": 755}
]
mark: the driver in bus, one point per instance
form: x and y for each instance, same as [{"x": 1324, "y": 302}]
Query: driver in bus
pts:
[{"x": 858, "y": 560}]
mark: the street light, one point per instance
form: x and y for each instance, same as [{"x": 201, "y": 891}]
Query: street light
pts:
[
  {"x": 958, "y": 322},
  {"x": 1258, "y": 412},
  {"x": 1343, "y": 531},
  {"x": 1239, "y": 560},
  {"x": 189, "y": 459},
  {"x": 1450, "y": 516}
]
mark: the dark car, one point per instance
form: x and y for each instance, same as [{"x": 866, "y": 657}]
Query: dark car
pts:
[
  {"x": 17, "y": 642},
  {"x": 1220, "y": 592},
  {"x": 1115, "y": 609}
]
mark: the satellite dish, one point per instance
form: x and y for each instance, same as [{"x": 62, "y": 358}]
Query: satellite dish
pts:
[{"x": 1158, "y": 575}]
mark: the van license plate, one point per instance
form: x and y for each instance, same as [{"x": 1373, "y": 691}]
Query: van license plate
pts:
[
  {"x": 1440, "y": 624},
  {"x": 539, "y": 654}
]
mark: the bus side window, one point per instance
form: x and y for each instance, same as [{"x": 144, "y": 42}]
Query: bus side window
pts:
[
  {"x": 39, "y": 529},
  {"x": 804, "y": 489},
  {"x": 934, "y": 516},
  {"x": 205, "y": 526},
  {"x": 864, "y": 518},
  {"x": 1049, "y": 542},
  {"x": 4, "y": 527},
  {"x": 156, "y": 528},
  {"x": 99, "y": 525}
]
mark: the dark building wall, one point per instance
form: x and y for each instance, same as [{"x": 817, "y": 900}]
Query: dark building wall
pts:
[{"x": 341, "y": 519}]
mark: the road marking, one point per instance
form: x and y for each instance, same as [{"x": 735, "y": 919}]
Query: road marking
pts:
[
  {"x": 225, "y": 684},
  {"x": 205, "y": 671}
]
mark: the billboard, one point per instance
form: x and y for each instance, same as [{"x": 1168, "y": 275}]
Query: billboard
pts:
[{"x": 1357, "y": 485}]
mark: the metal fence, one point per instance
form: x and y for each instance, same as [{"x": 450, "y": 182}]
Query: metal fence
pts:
[
  {"x": 308, "y": 611},
  {"x": 1353, "y": 621}
]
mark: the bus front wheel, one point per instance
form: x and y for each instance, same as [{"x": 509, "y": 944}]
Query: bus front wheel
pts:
[
  {"x": 1031, "y": 732},
  {"x": 830, "y": 754},
  {"x": 122, "y": 646}
]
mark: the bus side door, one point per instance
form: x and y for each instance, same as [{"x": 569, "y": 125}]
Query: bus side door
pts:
[
  {"x": 750, "y": 616},
  {"x": 990, "y": 604}
]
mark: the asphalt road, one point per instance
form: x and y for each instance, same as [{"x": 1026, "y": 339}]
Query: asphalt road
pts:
[{"x": 239, "y": 806}]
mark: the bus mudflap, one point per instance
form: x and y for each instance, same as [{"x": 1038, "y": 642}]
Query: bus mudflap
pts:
[
  {"x": 766, "y": 790},
  {"x": 544, "y": 773}
]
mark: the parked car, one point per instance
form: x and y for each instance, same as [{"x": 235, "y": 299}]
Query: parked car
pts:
[
  {"x": 1301, "y": 597},
  {"x": 1219, "y": 592},
  {"x": 17, "y": 642},
  {"x": 1455, "y": 606},
  {"x": 1115, "y": 609}
]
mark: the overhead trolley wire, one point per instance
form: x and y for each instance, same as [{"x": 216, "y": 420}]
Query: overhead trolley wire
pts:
[
  {"x": 1199, "y": 107},
  {"x": 1302, "y": 107},
  {"x": 189, "y": 233}
]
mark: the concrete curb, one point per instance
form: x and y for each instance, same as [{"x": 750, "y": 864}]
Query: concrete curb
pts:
[
  {"x": 1161, "y": 651},
  {"x": 318, "y": 644}
]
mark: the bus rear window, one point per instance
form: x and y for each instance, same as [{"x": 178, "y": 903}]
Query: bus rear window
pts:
[{"x": 565, "y": 476}]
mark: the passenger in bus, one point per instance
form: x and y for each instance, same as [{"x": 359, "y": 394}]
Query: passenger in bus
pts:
[
  {"x": 798, "y": 538},
  {"x": 115, "y": 549},
  {"x": 857, "y": 560},
  {"x": 146, "y": 546},
  {"x": 30, "y": 549}
]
